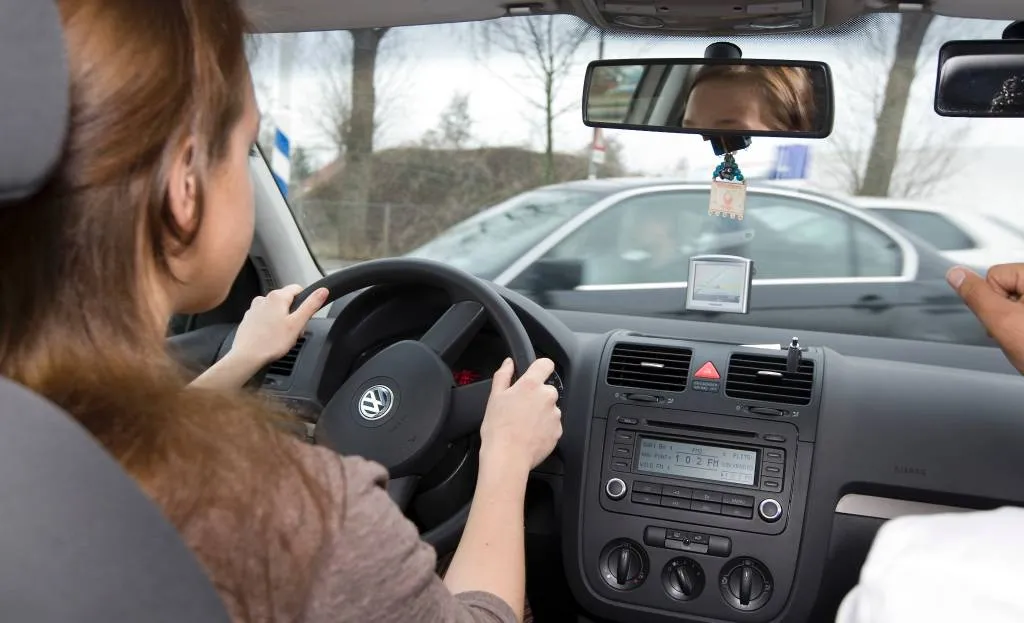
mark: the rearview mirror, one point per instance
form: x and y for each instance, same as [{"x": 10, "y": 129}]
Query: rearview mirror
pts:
[
  {"x": 980, "y": 79},
  {"x": 712, "y": 97}
]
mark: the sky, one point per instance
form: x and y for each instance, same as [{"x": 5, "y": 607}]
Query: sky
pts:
[{"x": 421, "y": 68}]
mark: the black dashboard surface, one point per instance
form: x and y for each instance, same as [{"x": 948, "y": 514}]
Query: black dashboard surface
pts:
[{"x": 889, "y": 425}]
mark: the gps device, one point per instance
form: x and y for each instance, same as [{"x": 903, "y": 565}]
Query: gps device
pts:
[{"x": 719, "y": 283}]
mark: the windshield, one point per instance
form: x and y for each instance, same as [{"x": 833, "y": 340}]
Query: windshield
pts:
[
  {"x": 463, "y": 143},
  {"x": 486, "y": 244}
]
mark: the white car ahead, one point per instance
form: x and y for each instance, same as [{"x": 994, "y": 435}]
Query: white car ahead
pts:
[{"x": 969, "y": 238}]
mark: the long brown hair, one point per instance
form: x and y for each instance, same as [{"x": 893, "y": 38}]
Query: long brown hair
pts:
[
  {"x": 74, "y": 322},
  {"x": 788, "y": 92}
]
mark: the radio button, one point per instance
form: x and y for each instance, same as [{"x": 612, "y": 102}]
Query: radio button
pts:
[
  {"x": 771, "y": 484},
  {"x": 769, "y": 468},
  {"x": 623, "y": 436},
  {"x": 647, "y": 487},
  {"x": 645, "y": 498},
  {"x": 620, "y": 466},
  {"x": 628, "y": 421},
  {"x": 624, "y": 452},
  {"x": 707, "y": 496},
  {"x": 677, "y": 492},
  {"x": 615, "y": 488},
  {"x": 677, "y": 503},
  {"x": 706, "y": 507},
  {"x": 775, "y": 456},
  {"x": 774, "y": 438},
  {"x": 741, "y": 512},
  {"x": 770, "y": 510},
  {"x": 738, "y": 500}
]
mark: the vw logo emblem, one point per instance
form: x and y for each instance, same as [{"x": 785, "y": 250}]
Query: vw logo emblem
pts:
[{"x": 376, "y": 402}]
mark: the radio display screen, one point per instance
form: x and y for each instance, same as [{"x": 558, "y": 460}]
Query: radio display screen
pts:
[{"x": 693, "y": 460}]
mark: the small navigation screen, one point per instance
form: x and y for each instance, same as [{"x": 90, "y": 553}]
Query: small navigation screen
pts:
[
  {"x": 719, "y": 284},
  {"x": 691, "y": 460}
]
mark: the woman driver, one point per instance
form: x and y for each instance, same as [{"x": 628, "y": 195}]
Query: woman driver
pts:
[{"x": 151, "y": 213}]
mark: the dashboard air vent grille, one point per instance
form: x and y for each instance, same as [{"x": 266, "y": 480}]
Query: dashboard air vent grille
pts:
[
  {"x": 644, "y": 366},
  {"x": 764, "y": 378},
  {"x": 266, "y": 276},
  {"x": 285, "y": 365}
]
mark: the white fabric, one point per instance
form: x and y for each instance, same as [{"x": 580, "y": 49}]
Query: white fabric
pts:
[{"x": 953, "y": 567}]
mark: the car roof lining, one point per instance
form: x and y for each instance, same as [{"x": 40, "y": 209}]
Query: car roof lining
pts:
[{"x": 321, "y": 15}]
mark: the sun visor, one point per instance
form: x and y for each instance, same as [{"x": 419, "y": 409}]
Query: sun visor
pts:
[{"x": 33, "y": 95}]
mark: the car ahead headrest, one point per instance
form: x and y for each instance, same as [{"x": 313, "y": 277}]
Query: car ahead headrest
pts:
[
  {"x": 34, "y": 98},
  {"x": 79, "y": 540}
]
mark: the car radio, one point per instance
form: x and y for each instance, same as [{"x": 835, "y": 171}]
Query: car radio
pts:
[{"x": 662, "y": 469}]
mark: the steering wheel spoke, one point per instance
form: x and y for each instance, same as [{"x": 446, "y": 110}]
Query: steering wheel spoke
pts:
[
  {"x": 452, "y": 333},
  {"x": 469, "y": 402}
]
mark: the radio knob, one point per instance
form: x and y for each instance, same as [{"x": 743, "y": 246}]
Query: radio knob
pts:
[
  {"x": 615, "y": 488},
  {"x": 770, "y": 510}
]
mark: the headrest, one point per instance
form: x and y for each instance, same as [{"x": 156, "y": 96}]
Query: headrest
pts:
[{"x": 34, "y": 98}]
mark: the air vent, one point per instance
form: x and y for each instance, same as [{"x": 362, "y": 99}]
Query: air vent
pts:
[
  {"x": 764, "y": 378},
  {"x": 285, "y": 365},
  {"x": 266, "y": 276},
  {"x": 643, "y": 366}
]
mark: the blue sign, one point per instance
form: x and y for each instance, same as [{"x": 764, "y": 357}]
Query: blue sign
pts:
[
  {"x": 791, "y": 162},
  {"x": 280, "y": 161}
]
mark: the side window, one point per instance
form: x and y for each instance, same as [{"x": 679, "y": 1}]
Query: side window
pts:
[
  {"x": 792, "y": 238},
  {"x": 875, "y": 253},
  {"x": 644, "y": 239}
]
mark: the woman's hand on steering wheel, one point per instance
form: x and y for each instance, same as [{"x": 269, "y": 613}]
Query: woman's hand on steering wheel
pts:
[
  {"x": 523, "y": 422},
  {"x": 269, "y": 329}
]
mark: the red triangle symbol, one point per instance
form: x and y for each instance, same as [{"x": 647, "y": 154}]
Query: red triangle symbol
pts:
[{"x": 709, "y": 372}]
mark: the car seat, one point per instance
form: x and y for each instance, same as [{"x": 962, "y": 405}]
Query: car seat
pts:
[{"x": 79, "y": 541}]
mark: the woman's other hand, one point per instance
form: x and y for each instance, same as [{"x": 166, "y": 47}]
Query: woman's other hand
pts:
[
  {"x": 523, "y": 422},
  {"x": 269, "y": 329},
  {"x": 266, "y": 333}
]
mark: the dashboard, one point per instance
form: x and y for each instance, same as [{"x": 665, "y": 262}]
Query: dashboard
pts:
[{"x": 708, "y": 474}]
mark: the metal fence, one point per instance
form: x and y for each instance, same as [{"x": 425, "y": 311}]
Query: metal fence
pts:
[{"x": 341, "y": 233}]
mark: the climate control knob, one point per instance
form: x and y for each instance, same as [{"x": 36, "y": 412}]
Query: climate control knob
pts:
[
  {"x": 615, "y": 488},
  {"x": 746, "y": 584},
  {"x": 624, "y": 564},
  {"x": 770, "y": 510},
  {"x": 683, "y": 579}
]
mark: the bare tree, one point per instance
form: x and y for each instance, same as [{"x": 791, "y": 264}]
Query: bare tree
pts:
[
  {"x": 547, "y": 47},
  {"x": 352, "y": 114},
  {"x": 881, "y": 153},
  {"x": 455, "y": 128}
]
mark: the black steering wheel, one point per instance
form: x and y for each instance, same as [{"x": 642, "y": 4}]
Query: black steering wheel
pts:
[{"x": 400, "y": 408}]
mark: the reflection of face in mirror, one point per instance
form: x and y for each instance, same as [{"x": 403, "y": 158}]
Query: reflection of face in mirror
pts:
[
  {"x": 756, "y": 98},
  {"x": 1010, "y": 99}
]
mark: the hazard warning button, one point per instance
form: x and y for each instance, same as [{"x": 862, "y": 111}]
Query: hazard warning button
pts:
[{"x": 708, "y": 372}]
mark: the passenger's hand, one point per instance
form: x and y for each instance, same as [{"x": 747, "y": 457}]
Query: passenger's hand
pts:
[
  {"x": 269, "y": 329},
  {"x": 995, "y": 300},
  {"x": 523, "y": 422}
]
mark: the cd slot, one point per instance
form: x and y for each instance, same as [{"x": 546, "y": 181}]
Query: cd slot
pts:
[{"x": 702, "y": 429}]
